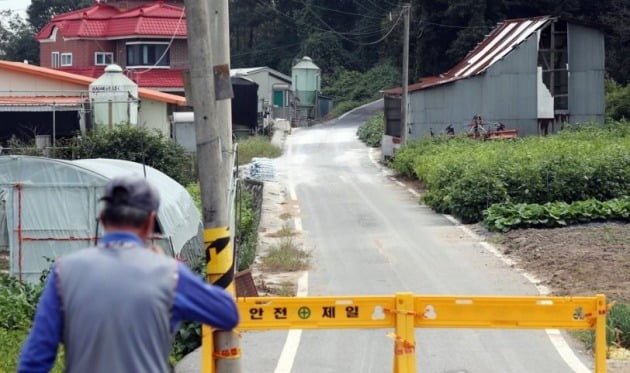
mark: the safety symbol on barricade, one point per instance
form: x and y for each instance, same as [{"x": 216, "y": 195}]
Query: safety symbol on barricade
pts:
[{"x": 316, "y": 312}]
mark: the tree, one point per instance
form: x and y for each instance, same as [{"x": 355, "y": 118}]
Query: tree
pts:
[
  {"x": 17, "y": 41},
  {"x": 40, "y": 12}
]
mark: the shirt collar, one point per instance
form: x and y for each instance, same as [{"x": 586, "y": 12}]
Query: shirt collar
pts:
[{"x": 122, "y": 237}]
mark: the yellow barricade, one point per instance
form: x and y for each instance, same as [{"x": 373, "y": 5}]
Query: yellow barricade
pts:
[{"x": 404, "y": 312}]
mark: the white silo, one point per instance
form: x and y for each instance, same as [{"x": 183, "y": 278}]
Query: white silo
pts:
[{"x": 114, "y": 99}]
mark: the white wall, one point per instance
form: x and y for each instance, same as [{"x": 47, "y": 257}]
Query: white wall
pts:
[
  {"x": 154, "y": 115},
  {"x": 17, "y": 81}
]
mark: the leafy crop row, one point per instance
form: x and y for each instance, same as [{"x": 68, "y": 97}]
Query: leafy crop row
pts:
[
  {"x": 506, "y": 216},
  {"x": 465, "y": 177},
  {"x": 371, "y": 132}
]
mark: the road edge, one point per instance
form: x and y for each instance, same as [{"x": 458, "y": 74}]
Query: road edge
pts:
[{"x": 556, "y": 337}]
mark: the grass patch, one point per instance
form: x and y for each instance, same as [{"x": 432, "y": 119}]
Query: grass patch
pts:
[
  {"x": 284, "y": 289},
  {"x": 256, "y": 147},
  {"x": 617, "y": 329},
  {"x": 285, "y": 231},
  {"x": 286, "y": 256}
]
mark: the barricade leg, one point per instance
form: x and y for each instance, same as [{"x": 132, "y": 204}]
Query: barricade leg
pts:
[
  {"x": 600, "y": 335},
  {"x": 405, "y": 340}
]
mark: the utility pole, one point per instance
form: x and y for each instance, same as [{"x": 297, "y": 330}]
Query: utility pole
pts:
[
  {"x": 405, "y": 76},
  {"x": 209, "y": 86}
]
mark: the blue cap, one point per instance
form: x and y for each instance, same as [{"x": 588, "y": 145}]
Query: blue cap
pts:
[{"x": 132, "y": 191}]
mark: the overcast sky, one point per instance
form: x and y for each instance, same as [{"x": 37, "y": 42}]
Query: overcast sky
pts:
[{"x": 17, "y": 5}]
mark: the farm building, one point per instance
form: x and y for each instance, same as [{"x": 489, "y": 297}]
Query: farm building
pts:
[
  {"x": 46, "y": 102},
  {"x": 532, "y": 75},
  {"x": 48, "y": 208}
]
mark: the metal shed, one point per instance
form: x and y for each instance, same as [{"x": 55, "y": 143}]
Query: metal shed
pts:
[
  {"x": 531, "y": 74},
  {"x": 48, "y": 208}
]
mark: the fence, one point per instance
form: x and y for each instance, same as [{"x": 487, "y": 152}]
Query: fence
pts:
[{"x": 404, "y": 312}]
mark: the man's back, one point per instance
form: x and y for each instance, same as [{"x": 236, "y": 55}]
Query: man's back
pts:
[{"x": 116, "y": 304}]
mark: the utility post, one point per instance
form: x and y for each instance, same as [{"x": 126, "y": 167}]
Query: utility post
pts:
[
  {"x": 405, "y": 76},
  {"x": 209, "y": 86}
]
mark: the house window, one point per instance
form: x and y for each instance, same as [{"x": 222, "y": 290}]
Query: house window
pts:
[
  {"x": 66, "y": 59},
  {"x": 103, "y": 58},
  {"x": 148, "y": 54},
  {"x": 54, "y": 59}
]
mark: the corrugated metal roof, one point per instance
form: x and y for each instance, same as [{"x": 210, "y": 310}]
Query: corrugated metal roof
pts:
[{"x": 498, "y": 44}]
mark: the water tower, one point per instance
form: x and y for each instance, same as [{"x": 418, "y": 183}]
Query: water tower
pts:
[
  {"x": 306, "y": 86},
  {"x": 114, "y": 99}
]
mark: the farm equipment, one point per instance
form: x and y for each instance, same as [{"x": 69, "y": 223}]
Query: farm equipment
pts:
[{"x": 479, "y": 129}]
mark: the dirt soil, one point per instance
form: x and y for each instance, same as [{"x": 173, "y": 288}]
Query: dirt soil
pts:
[{"x": 578, "y": 260}]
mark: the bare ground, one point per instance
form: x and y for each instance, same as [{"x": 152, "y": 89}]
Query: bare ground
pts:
[{"x": 579, "y": 260}]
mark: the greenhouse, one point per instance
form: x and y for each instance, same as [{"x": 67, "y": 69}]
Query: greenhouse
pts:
[{"x": 48, "y": 208}]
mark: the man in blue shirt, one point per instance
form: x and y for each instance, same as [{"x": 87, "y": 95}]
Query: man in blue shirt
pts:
[{"x": 117, "y": 306}]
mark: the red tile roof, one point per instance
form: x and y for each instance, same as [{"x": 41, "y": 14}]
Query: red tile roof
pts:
[
  {"x": 156, "y": 78},
  {"x": 498, "y": 44},
  {"x": 103, "y": 21}
]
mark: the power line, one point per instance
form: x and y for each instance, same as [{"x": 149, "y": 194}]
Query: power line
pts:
[
  {"x": 297, "y": 21},
  {"x": 453, "y": 26},
  {"x": 348, "y": 39}
]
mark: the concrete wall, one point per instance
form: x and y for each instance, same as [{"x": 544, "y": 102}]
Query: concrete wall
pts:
[
  {"x": 506, "y": 92},
  {"x": 586, "y": 74},
  {"x": 16, "y": 81}
]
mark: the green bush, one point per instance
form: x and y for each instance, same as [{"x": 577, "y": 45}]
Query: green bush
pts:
[
  {"x": 371, "y": 132},
  {"x": 505, "y": 216},
  {"x": 464, "y": 176},
  {"x": 617, "y": 100},
  {"x": 138, "y": 145},
  {"x": 256, "y": 147}
]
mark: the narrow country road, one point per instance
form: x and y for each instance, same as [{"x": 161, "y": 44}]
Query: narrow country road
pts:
[{"x": 369, "y": 236}]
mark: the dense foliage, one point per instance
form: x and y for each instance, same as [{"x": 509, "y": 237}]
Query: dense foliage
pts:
[
  {"x": 350, "y": 89},
  {"x": 371, "y": 132},
  {"x": 617, "y": 101},
  {"x": 138, "y": 145},
  {"x": 464, "y": 177},
  {"x": 505, "y": 216},
  {"x": 18, "y": 302}
]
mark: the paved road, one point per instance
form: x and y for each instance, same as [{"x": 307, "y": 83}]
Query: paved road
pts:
[{"x": 370, "y": 236}]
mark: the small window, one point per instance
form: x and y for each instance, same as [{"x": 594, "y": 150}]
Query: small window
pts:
[
  {"x": 103, "y": 58},
  {"x": 54, "y": 59},
  {"x": 66, "y": 59}
]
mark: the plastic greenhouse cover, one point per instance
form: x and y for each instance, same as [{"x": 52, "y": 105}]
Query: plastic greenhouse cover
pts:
[{"x": 51, "y": 207}]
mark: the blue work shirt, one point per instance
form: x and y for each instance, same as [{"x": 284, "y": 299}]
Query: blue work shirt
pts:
[{"x": 194, "y": 300}]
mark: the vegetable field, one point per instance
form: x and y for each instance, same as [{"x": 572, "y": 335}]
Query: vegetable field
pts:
[{"x": 465, "y": 177}]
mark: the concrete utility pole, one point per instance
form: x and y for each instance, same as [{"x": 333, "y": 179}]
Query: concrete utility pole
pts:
[
  {"x": 209, "y": 85},
  {"x": 405, "y": 76}
]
